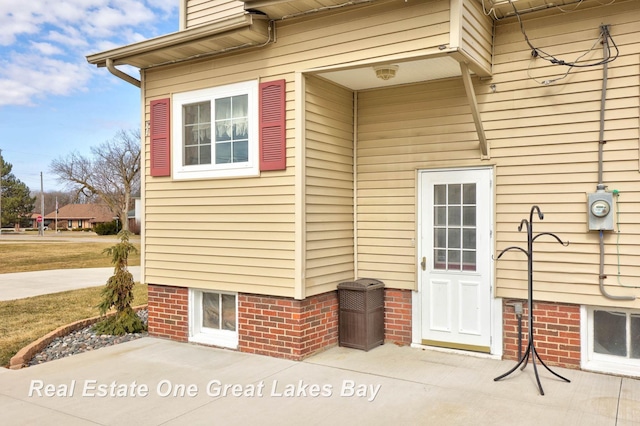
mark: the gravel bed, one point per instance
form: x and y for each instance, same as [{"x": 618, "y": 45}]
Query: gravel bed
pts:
[{"x": 83, "y": 340}]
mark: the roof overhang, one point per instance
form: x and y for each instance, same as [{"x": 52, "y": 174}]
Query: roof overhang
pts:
[
  {"x": 500, "y": 9},
  {"x": 282, "y": 9},
  {"x": 218, "y": 37}
]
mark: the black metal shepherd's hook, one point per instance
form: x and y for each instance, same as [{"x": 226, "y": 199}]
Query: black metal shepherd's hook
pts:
[{"x": 531, "y": 348}]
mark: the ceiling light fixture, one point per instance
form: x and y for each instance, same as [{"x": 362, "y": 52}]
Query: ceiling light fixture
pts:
[{"x": 386, "y": 72}]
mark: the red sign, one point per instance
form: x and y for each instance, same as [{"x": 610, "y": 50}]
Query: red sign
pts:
[{"x": 39, "y": 218}]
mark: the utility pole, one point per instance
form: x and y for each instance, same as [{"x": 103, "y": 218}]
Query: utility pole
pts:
[{"x": 41, "y": 225}]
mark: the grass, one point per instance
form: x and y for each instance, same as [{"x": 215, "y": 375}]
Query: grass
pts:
[
  {"x": 26, "y": 320},
  {"x": 40, "y": 256},
  {"x": 23, "y": 321}
]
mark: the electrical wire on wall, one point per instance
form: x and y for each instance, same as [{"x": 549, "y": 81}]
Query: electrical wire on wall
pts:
[{"x": 536, "y": 52}]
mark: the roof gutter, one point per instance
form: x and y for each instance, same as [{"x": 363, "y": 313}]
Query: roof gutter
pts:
[{"x": 124, "y": 76}]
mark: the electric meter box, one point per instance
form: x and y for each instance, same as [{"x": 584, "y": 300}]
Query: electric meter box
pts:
[{"x": 600, "y": 211}]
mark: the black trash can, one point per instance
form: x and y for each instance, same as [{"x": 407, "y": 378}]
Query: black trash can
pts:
[{"x": 361, "y": 313}]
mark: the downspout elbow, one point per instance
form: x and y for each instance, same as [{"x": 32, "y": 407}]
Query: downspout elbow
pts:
[{"x": 121, "y": 75}]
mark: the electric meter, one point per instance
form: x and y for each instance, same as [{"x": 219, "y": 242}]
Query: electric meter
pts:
[
  {"x": 600, "y": 208},
  {"x": 600, "y": 211}
]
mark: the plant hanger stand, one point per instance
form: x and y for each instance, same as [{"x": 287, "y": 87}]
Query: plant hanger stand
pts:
[{"x": 531, "y": 348}]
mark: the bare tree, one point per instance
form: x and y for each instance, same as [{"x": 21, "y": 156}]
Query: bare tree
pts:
[
  {"x": 50, "y": 197},
  {"x": 112, "y": 174}
]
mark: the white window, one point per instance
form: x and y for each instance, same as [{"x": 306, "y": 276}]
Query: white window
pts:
[
  {"x": 612, "y": 340},
  {"x": 213, "y": 318},
  {"x": 215, "y": 132}
]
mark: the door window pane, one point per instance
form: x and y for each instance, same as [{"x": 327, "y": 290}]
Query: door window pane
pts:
[
  {"x": 439, "y": 259},
  {"x": 468, "y": 260},
  {"x": 440, "y": 216},
  {"x": 453, "y": 262},
  {"x": 469, "y": 216},
  {"x": 453, "y": 238},
  {"x": 453, "y": 193},
  {"x": 454, "y": 216},
  {"x": 440, "y": 195},
  {"x": 469, "y": 238},
  {"x": 469, "y": 193}
]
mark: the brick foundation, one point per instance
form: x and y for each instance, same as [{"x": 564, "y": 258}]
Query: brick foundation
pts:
[
  {"x": 397, "y": 316},
  {"x": 277, "y": 326},
  {"x": 287, "y": 328},
  {"x": 556, "y": 328},
  {"x": 168, "y": 312}
]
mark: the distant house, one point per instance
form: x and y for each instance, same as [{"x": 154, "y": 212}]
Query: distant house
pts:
[{"x": 81, "y": 216}]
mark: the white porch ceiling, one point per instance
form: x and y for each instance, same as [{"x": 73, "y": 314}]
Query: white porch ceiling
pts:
[{"x": 364, "y": 77}]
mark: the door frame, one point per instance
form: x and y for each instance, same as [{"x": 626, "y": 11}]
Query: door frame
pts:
[{"x": 496, "y": 349}]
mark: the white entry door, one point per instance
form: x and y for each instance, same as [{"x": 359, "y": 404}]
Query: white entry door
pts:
[{"x": 456, "y": 210}]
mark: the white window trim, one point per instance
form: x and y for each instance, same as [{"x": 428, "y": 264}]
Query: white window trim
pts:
[
  {"x": 212, "y": 171},
  {"x": 207, "y": 336},
  {"x": 602, "y": 363}
]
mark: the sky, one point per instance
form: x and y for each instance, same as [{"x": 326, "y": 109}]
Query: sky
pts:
[{"x": 52, "y": 101}]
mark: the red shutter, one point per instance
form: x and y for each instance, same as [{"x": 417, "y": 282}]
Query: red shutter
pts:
[
  {"x": 273, "y": 155},
  {"x": 160, "y": 138}
]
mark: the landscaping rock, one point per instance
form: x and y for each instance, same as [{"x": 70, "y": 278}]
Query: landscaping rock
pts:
[{"x": 83, "y": 340}]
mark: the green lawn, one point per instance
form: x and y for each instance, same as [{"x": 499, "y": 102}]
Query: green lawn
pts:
[{"x": 26, "y": 320}]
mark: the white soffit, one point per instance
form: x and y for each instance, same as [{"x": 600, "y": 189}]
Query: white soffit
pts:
[
  {"x": 361, "y": 78},
  {"x": 499, "y": 9}
]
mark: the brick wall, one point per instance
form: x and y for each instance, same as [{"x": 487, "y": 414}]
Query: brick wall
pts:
[
  {"x": 556, "y": 332},
  {"x": 277, "y": 326},
  {"x": 287, "y": 328},
  {"x": 169, "y": 312},
  {"x": 397, "y": 316}
]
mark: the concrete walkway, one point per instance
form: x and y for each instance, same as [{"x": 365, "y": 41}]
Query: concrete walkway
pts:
[
  {"x": 27, "y": 284},
  {"x": 157, "y": 382}
]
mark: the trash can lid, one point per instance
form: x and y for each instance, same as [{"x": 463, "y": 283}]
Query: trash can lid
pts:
[{"x": 361, "y": 284}]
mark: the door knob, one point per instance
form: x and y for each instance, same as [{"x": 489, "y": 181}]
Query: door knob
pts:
[{"x": 423, "y": 264}]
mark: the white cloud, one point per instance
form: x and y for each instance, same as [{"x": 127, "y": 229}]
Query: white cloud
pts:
[
  {"x": 46, "y": 48},
  {"x": 28, "y": 77},
  {"x": 68, "y": 30},
  {"x": 70, "y": 37}
]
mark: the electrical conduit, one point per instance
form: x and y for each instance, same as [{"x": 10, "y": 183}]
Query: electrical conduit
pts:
[{"x": 601, "y": 186}]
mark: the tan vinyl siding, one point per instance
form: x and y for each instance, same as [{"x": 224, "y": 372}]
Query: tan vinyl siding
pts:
[
  {"x": 401, "y": 130},
  {"x": 224, "y": 234},
  {"x": 329, "y": 185},
  {"x": 200, "y": 12},
  {"x": 238, "y": 215},
  {"x": 477, "y": 29},
  {"x": 239, "y": 234},
  {"x": 544, "y": 139}
]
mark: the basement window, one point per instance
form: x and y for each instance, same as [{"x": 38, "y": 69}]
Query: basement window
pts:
[
  {"x": 213, "y": 318},
  {"x": 613, "y": 341}
]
